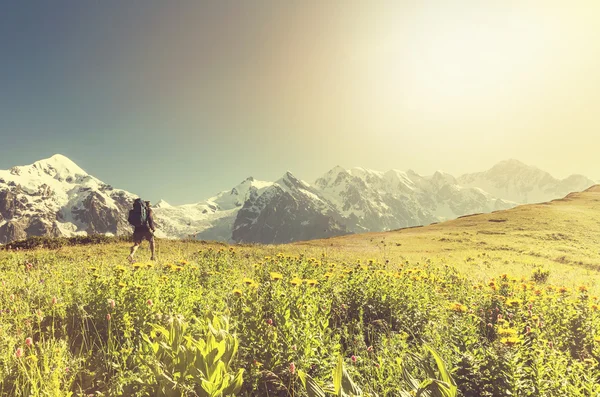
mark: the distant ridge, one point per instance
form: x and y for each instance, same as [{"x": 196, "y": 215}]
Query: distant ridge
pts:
[{"x": 56, "y": 197}]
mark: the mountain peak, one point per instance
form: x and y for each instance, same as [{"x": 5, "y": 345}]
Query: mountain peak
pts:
[
  {"x": 288, "y": 180},
  {"x": 162, "y": 204},
  {"x": 62, "y": 164}
]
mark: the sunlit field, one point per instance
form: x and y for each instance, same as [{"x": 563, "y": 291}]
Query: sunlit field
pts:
[{"x": 490, "y": 305}]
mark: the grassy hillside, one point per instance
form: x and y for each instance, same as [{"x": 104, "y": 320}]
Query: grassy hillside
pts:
[
  {"x": 562, "y": 236},
  {"x": 506, "y": 302}
]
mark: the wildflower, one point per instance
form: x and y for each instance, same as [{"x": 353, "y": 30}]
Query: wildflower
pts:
[
  {"x": 19, "y": 353},
  {"x": 237, "y": 292},
  {"x": 294, "y": 347},
  {"x": 296, "y": 281},
  {"x": 527, "y": 329},
  {"x": 513, "y": 302},
  {"x": 292, "y": 368},
  {"x": 509, "y": 332},
  {"x": 54, "y": 300},
  {"x": 276, "y": 276},
  {"x": 149, "y": 302},
  {"x": 312, "y": 283},
  {"x": 111, "y": 303},
  {"x": 370, "y": 349},
  {"x": 270, "y": 322},
  {"x": 562, "y": 290},
  {"x": 353, "y": 358},
  {"x": 510, "y": 341},
  {"x": 457, "y": 307},
  {"x": 248, "y": 281},
  {"x": 582, "y": 288},
  {"x": 12, "y": 297},
  {"x": 122, "y": 285},
  {"x": 108, "y": 317},
  {"x": 29, "y": 342}
]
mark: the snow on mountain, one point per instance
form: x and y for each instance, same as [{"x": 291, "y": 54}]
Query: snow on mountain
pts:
[
  {"x": 515, "y": 181},
  {"x": 56, "y": 197},
  {"x": 212, "y": 219},
  {"x": 289, "y": 210}
]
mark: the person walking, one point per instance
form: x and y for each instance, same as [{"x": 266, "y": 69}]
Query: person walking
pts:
[{"x": 142, "y": 219}]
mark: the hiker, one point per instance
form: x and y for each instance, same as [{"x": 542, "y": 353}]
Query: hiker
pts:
[{"x": 142, "y": 219}]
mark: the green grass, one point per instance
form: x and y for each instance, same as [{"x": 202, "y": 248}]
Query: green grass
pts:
[{"x": 507, "y": 300}]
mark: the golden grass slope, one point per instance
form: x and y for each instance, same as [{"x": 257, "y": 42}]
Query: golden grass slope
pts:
[{"x": 562, "y": 235}]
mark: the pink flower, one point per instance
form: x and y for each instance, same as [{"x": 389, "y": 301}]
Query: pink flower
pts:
[
  {"x": 353, "y": 358},
  {"x": 54, "y": 300},
  {"x": 294, "y": 347},
  {"x": 270, "y": 322},
  {"x": 111, "y": 303},
  {"x": 292, "y": 367},
  {"x": 376, "y": 365},
  {"x": 527, "y": 329},
  {"x": 499, "y": 317},
  {"x": 19, "y": 353},
  {"x": 12, "y": 297},
  {"x": 108, "y": 316},
  {"x": 29, "y": 342},
  {"x": 149, "y": 302}
]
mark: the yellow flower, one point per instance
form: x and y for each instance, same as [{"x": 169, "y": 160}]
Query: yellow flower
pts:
[
  {"x": 513, "y": 302},
  {"x": 237, "y": 292},
  {"x": 296, "y": 281},
  {"x": 510, "y": 341},
  {"x": 327, "y": 275},
  {"x": 248, "y": 281},
  {"x": 311, "y": 282},
  {"x": 137, "y": 265},
  {"x": 457, "y": 307},
  {"x": 276, "y": 276},
  {"x": 563, "y": 290},
  {"x": 508, "y": 332},
  {"x": 122, "y": 285},
  {"x": 582, "y": 288}
]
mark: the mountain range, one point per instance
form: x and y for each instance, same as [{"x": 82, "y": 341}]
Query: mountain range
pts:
[{"x": 56, "y": 197}]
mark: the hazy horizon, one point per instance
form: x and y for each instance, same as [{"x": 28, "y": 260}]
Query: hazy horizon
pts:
[{"x": 181, "y": 102}]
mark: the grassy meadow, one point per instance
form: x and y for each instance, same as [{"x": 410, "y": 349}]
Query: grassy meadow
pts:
[{"x": 501, "y": 304}]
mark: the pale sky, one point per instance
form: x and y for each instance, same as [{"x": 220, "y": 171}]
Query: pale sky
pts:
[{"x": 181, "y": 99}]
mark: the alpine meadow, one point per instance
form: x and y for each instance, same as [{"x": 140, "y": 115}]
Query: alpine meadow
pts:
[
  {"x": 486, "y": 305},
  {"x": 265, "y": 198}
]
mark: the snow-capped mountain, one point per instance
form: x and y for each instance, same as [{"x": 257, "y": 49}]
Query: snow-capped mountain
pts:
[
  {"x": 515, "y": 181},
  {"x": 286, "y": 211},
  {"x": 56, "y": 197},
  {"x": 212, "y": 219},
  {"x": 372, "y": 200}
]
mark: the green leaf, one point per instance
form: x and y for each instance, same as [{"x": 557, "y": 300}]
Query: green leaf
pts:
[{"x": 337, "y": 376}]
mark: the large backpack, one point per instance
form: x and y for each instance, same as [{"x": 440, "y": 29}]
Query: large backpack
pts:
[{"x": 138, "y": 216}]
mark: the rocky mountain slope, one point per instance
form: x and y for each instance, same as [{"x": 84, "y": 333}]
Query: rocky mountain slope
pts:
[{"x": 56, "y": 197}]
